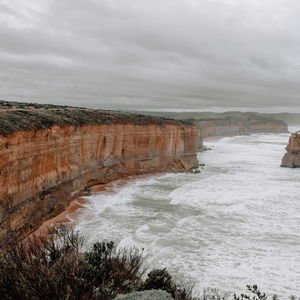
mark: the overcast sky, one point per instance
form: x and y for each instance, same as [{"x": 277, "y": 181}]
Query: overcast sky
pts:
[{"x": 152, "y": 54}]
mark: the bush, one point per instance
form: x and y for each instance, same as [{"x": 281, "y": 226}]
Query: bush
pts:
[
  {"x": 257, "y": 294},
  {"x": 112, "y": 273},
  {"x": 54, "y": 268},
  {"x": 160, "y": 279}
]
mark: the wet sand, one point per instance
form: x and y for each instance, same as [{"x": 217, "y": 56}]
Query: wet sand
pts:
[{"x": 74, "y": 210}]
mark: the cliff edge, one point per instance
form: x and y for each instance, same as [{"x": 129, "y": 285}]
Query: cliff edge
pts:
[
  {"x": 292, "y": 158},
  {"x": 49, "y": 155}
]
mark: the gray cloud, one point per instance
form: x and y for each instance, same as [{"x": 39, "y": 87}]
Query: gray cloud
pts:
[{"x": 141, "y": 54}]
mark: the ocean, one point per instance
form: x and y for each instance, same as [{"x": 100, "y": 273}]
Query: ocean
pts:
[{"x": 235, "y": 223}]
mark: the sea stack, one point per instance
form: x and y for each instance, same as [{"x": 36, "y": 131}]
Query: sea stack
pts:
[{"x": 292, "y": 158}]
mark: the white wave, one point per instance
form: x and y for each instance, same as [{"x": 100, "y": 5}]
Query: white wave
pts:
[{"x": 235, "y": 223}]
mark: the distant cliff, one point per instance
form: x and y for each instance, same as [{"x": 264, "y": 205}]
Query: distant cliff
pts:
[
  {"x": 228, "y": 123},
  {"x": 290, "y": 118},
  {"x": 49, "y": 155},
  {"x": 244, "y": 123},
  {"x": 237, "y": 123},
  {"x": 292, "y": 158}
]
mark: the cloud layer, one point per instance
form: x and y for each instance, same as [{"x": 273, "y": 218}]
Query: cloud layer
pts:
[{"x": 141, "y": 54}]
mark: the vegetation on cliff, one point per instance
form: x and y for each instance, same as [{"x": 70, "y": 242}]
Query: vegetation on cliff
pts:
[
  {"x": 16, "y": 116},
  {"x": 232, "y": 116}
]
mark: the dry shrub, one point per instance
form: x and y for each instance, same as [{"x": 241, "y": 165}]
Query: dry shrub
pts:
[{"x": 54, "y": 268}]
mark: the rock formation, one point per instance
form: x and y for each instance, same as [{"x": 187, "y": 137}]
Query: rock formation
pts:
[
  {"x": 292, "y": 158},
  {"x": 48, "y": 156}
]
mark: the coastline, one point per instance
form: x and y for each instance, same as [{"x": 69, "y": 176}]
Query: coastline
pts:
[{"x": 74, "y": 210}]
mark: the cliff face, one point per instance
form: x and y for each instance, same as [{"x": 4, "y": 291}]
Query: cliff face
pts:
[
  {"x": 42, "y": 170},
  {"x": 230, "y": 127},
  {"x": 292, "y": 158}
]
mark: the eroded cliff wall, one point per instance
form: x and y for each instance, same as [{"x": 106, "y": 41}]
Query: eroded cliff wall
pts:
[
  {"x": 42, "y": 170},
  {"x": 291, "y": 159}
]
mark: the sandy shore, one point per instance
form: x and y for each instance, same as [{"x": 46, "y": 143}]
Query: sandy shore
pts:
[
  {"x": 72, "y": 209},
  {"x": 78, "y": 205}
]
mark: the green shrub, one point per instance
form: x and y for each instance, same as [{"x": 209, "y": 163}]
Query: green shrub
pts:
[{"x": 160, "y": 279}]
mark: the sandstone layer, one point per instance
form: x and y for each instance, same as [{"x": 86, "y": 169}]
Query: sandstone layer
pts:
[
  {"x": 49, "y": 158},
  {"x": 292, "y": 158}
]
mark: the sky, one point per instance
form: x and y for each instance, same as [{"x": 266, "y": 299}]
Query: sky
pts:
[{"x": 152, "y": 54}]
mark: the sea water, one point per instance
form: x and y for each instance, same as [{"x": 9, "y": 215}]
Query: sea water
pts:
[{"x": 235, "y": 223}]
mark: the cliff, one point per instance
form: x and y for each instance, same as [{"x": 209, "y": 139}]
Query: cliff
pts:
[
  {"x": 290, "y": 118},
  {"x": 244, "y": 124},
  {"x": 48, "y": 156},
  {"x": 236, "y": 124},
  {"x": 228, "y": 123},
  {"x": 292, "y": 158}
]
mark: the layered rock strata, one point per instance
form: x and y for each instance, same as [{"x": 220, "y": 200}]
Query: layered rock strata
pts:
[
  {"x": 291, "y": 159},
  {"x": 49, "y": 157}
]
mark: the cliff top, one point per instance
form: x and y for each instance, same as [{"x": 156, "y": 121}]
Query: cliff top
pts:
[
  {"x": 16, "y": 116},
  {"x": 226, "y": 118}
]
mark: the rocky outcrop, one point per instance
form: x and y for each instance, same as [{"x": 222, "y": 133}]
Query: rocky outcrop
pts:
[
  {"x": 51, "y": 156},
  {"x": 292, "y": 158}
]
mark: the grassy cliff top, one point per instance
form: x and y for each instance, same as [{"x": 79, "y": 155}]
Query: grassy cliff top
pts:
[
  {"x": 221, "y": 118},
  {"x": 15, "y": 116}
]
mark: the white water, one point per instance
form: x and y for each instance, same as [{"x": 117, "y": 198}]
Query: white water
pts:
[{"x": 236, "y": 223}]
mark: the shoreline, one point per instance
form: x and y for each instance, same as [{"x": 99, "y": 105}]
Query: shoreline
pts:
[
  {"x": 73, "y": 210},
  {"x": 46, "y": 228}
]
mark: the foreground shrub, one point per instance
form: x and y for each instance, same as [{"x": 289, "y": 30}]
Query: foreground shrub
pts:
[
  {"x": 160, "y": 279},
  {"x": 54, "y": 268},
  {"x": 256, "y": 294},
  {"x": 112, "y": 273}
]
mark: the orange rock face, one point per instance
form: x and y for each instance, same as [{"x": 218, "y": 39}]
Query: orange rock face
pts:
[
  {"x": 41, "y": 171},
  {"x": 292, "y": 158}
]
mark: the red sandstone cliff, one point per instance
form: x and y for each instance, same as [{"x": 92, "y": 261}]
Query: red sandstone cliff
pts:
[
  {"x": 292, "y": 158},
  {"x": 43, "y": 168}
]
